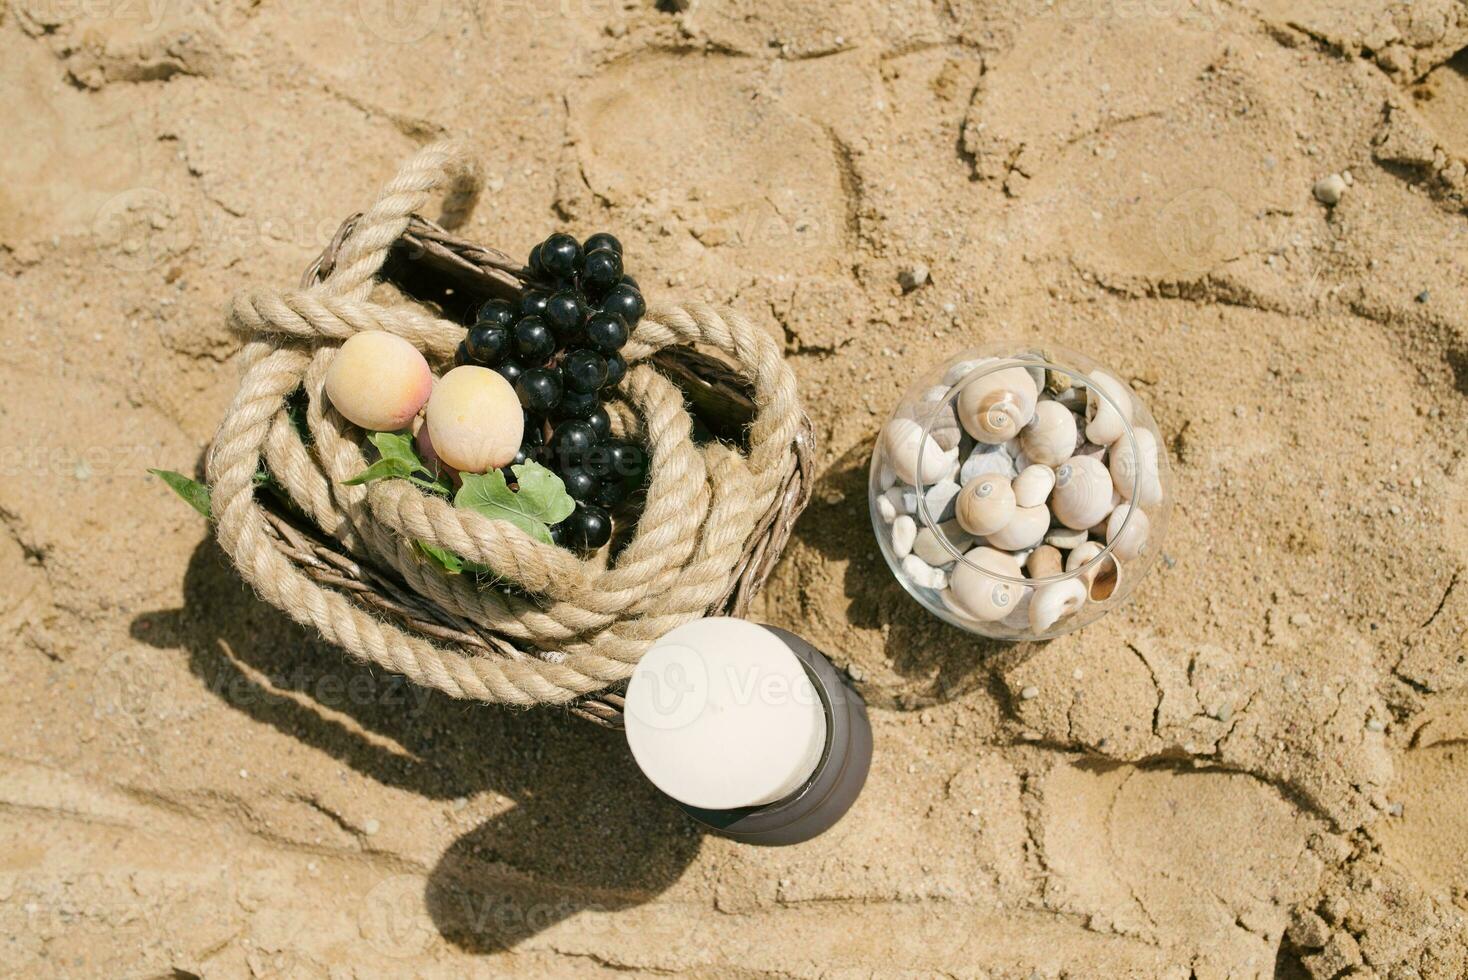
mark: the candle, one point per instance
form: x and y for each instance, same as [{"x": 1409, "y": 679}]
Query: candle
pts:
[{"x": 721, "y": 715}]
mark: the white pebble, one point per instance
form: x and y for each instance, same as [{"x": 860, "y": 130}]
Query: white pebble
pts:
[
  {"x": 1030, "y": 692},
  {"x": 985, "y": 460},
  {"x": 1329, "y": 189},
  {"x": 929, "y": 546},
  {"x": 913, "y": 276},
  {"x": 940, "y": 499},
  {"x": 919, "y": 571},
  {"x": 371, "y": 826},
  {"x": 1065, "y": 539},
  {"x": 904, "y": 532},
  {"x": 886, "y": 509},
  {"x": 1376, "y": 725},
  {"x": 960, "y": 371}
]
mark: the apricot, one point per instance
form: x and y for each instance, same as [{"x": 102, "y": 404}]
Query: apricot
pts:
[
  {"x": 378, "y": 381},
  {"x": 474, "y": 420}
]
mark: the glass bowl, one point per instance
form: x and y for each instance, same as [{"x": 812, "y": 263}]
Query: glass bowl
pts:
[{"x": 1020, "y": 492}]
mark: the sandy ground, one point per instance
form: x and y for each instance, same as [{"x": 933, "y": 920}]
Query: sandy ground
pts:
[{"x": 1257, "y": 769}]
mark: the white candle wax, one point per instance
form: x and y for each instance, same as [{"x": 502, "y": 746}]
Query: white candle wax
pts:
[{"x": 720, "y": 715}]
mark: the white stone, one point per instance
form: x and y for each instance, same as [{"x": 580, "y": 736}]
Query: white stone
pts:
[
  {"x": 1065, "y": 539},
  {"x": 960, "y": 371},
  {"x": 1329, "y": 189},
  {"x": 940, "y": 500},
  {"x": 919, "y": 571},
  {"x": 985, "y": 460},
  {"x": 886, "y": 509},
  {"x": 929, "y": 547},
  {"x": 904, "y": 532}
]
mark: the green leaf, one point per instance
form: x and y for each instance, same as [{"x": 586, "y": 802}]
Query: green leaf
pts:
[
  {"x": 543, "y": 490},
  {"x": 383, "y": 469},
  {"x": 399, "y": 460},
  {"x": 452, "y": 563},
  {"x": 196, "y": 493},
  {"x": 541, "y": 501},
  {"x": 398, "y": 446}
]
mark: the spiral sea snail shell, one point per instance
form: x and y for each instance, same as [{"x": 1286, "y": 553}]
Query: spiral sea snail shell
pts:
[
  {"x": 916, "y": 460},
  {"x": 995, "y": 407},
  {"x": 1025, "y": 529},
  {"x": 1050, "y": 437},
  {"x": 1105, "y": 424},
  {"x": 1083, "y": 494},
  {"x": 976, "y": 589},
  {"x": 1051, "y": 602},
  {"x": 1134, "y": 469},
  {"x": 985, "y": 505},
  {"x": 1129, "y": 542}
]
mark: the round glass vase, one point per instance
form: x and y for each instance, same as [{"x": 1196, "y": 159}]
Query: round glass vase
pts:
[{"x": 949, "y": 461}]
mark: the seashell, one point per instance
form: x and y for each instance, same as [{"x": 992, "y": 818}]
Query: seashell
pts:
[
  {"x": 1033, "y": 485},
  {"x": 1054, "y": 601},
  {"x": 986, "y": 459},
  {"x": 1065, "y": 538},
  {"x": 1082, "y": 495},
  {"x": 1019, "y": 614},
  {"x": 940, "y": 416},
  {"x": 1134, "y": 469},
  {"x": 904, "y": 532},
  {"x": 1044, "y": 562},
  {"x": 1106, "y": 424},
  {"x": 1050, "y": 437},
  {"x": 929, "y": 544},
  {"x": 1102, "y": 578},
  {"x": 985, "y": 505},
  {"x": 1025, "y": 529},
  {"x": 997, "y": 405},
  {"x": 978, "y": 591},
  {"x": 1129, "y": 542},
  {"x": 915, "y": 460}
]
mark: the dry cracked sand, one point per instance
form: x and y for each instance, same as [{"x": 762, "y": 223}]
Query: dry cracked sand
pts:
[{"x": 1257, "y": 769}]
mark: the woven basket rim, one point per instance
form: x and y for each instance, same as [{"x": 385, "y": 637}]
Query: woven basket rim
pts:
[{"x": 717, "y": 392}]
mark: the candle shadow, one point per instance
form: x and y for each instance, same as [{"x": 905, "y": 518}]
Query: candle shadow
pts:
[
  {"x": 581, "y": 828},
  {"x": 935, "y": 662}
]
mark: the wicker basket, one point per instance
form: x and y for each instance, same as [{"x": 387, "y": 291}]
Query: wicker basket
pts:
[{"x": 448, "y": 277}]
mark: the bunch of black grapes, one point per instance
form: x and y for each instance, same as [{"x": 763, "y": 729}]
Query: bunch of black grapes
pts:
[{"x": 559, "y": 346}]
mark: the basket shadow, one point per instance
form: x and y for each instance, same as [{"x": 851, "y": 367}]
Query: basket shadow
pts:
[
  {"x": 585, "y": 832},
  {"x": 932, "y": 661}
]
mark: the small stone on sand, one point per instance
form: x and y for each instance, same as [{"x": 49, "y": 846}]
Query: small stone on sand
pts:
[{"x": 1329, "y": 189}]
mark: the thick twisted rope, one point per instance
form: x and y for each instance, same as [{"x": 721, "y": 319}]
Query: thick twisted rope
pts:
[{"x": 578, "y": 626}]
